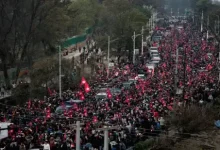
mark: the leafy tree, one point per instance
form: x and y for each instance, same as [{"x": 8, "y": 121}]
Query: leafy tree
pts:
[
  {"x": 119, "y": 18},
  {"x": 21, "y": 93},
  {"x": 43, "y": 74},
  {"x": 84, "y": 14},
  {"x": 20, "y": 24},
  {"x": 192, "y": 119},
  {"x": 53, "y": 28},
  {"x": 203, "y": 5}
]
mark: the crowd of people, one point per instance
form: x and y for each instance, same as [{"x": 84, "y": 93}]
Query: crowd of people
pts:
[{"x": 137, "y": 111}]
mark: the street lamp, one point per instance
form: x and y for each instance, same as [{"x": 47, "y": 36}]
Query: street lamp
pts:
[
  {"x": 217, "y": 28},
  {"x": 207, "y": 36},
  {"x": 202, "y": 22},
  {"x": 109, "y": 43},
  {"x": 60, "y": 75},
  {"x": 133, "y": 38},
  {"x": 178, "y": 13},
  {"x": 142, "y": 42}
]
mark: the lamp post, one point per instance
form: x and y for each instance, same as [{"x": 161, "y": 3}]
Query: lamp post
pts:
[
  {"x": 217, "y": 24},
  {"x": 207, "y": 29},
  {"x": 142, "y": 41},
  {"x": 108, "y": 55},
  {"x": 60, "y": 75},
  {"x": 134, "y": 38},
  {"x": 202, "y": 22},
  {"x": 178, "y": 12},
  {"x": 171, "y": 12},
  {"x": 176, "y": 69}
]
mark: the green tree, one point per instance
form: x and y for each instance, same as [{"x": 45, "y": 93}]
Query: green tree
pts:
[
  {"x": 44, "y": 72},
  {"x": 119, "y": 19},
  {"x": 203, "y": 5},
  {"x": 84, "y": 14}
]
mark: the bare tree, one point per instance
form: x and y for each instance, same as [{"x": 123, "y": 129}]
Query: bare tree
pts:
[{"x": 19, "y": 22}]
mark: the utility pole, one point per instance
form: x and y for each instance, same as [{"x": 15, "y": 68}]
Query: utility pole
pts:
[
  {"x": 178, "y": 12},
  {"x": 84, "y": 50},
  {"x": 106, "y": 138},
  {"x": 176, "y": 70},
  {"x": 108, "y": 56},
  {"x": 77, "y": 127},
  {"x": 77, "y": 135},
  {"x": 171, "y": 12},
  {"x": 193, "y": 16},
  {"x": 184, "y": 71},
  {"x": 152, "y": 22},
  {"x": 217, "y": 24},
  {"x": 202, "y": 22},
  {"x": 218, "y": 63},
  {"x": 60, "y": 75},
  {"x": 142, "y": 41},
  {"x": 207, "y": 28},
  {"x": 134, "y": 37}
]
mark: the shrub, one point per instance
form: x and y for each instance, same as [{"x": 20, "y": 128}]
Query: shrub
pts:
[
  {"x": 192, "y": 118},
  {"x": 21, "y": 93},
  {"x": 145, "y": 145}
]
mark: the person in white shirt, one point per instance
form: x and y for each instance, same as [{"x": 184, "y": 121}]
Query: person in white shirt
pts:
[
  {"x": 162, "y": 123},
  {"x": 46, "y": 146}
]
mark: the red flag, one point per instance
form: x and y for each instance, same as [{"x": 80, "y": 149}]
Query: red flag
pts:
[
  {"x": 87, "y": 88},
  {"x": 209, "y": 67},
  {"x": 95, "y": 119},
  {"x": 83, "y": 81},
  {"x": 49, "y": 91},
  {"x": 108, "y": 92},
  {"x": 29, "y": 104},
  {"x": 82, "y": 97}
]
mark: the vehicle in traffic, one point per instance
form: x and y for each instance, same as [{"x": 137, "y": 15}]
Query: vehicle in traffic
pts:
[
  {"x": 154, "y": 54},
  {"x": 153, "y": 50},
  {"x": 101, "y": 95},
  {"x": 156, "y": 58},
  {"x": 151, "y": 67},
  {"x": 141, "y": 76},
  {"x": 156, "y": 62}
]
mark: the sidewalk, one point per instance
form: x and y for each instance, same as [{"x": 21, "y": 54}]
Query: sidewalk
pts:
[
  {"x": 8, "y": 94},
  {"x": 73, "y": 54}
]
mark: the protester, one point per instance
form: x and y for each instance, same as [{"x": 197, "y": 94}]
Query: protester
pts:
[{"x": 137, "y": 110}]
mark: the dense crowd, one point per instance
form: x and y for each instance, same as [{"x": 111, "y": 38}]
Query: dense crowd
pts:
[{"x": 138, "y": 111}]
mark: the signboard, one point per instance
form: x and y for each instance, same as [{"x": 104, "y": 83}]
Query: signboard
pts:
[
  {"x": 4, "y": 133},
  {"x": 111, "y": 64}
]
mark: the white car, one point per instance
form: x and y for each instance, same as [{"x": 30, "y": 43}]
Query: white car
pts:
[
  {"x": 154, "y": 54},
  {"x": 101, "y": 95},
  {"x": 154, "y": 62},
  {"x": 156, "y": 58},
  {"x": 141, "y": 76},
  {"x": 153, "y": 48}
]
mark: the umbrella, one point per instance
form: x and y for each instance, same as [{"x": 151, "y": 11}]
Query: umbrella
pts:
[
  {"x": 217, "y": 123},
  {"x": 74, "y": 101},
  {"x": 113, "y": 143},
  {"x": 88, "y": 145}
]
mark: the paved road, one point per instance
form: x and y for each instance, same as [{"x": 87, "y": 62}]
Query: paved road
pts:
[{"x": 73, "y": 54}]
